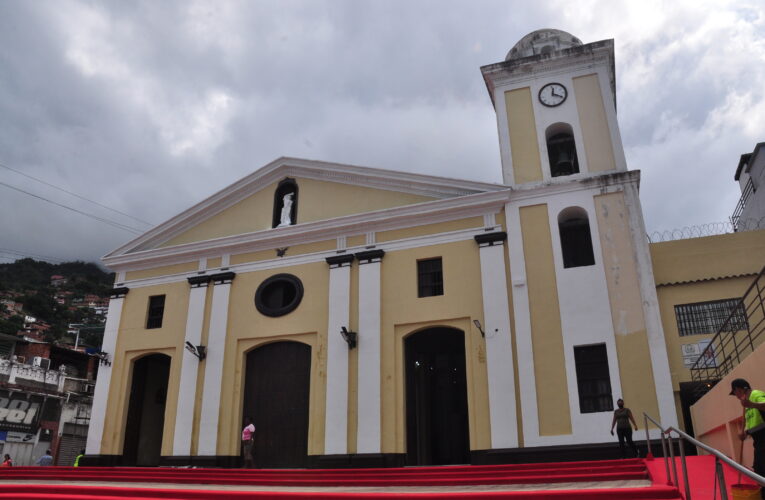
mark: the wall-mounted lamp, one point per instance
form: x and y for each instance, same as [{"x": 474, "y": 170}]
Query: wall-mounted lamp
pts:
[
  {"x": 103, "y": 358},
  {"x": 349, "y": 337},
  {"x": 199, "y": 351},
  {"x": 478, "y": 325}
]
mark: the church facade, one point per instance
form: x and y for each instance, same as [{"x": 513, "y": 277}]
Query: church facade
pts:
[{"x": 366, "y": 317}]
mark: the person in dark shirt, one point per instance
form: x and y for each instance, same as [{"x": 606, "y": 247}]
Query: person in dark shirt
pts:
[{"x": 622, "y": 418}]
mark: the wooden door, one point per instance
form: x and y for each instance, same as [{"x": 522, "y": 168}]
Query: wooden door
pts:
[
  {"x": 436, "y": 398},
  {"x": 277, "y": 389},
  {"x": 146, "y": 411}
]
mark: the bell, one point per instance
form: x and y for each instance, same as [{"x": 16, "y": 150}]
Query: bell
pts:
[{"x": 564, "y": 165}]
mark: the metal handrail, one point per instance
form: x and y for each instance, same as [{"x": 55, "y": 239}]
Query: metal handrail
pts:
[
  {"x": 728, "y": 347},
  {"x": 720, "y": 458}
]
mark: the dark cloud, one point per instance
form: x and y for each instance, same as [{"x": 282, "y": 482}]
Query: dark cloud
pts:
[{"x": 149, "y": 107}]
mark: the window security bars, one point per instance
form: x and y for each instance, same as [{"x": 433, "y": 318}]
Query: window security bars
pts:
[
  {"x": 593, "y": 378},
  {"x": 708, "y": 317},
  {"x": 736, "y": 338}
]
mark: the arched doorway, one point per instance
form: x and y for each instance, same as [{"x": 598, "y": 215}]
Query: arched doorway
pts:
[
  {"x": 276, "y": 392},
  {"x": 436, "y": 398},
  {"x": 146, "y": 410}
]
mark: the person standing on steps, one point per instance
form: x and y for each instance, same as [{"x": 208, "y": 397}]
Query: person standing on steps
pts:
[
  {"x": 45, "y": 460},
  {"x": 7, "y": 462},
  {"x": 248, "y": 440},
  {"x": 622, "y": 418},
  {"x": 753, "y": 402}
]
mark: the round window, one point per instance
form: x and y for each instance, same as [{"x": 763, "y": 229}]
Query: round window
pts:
[{"x": 279, "y": 295}]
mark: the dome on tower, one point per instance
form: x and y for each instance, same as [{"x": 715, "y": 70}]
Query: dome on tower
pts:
[{"x": 542, "y": 42}]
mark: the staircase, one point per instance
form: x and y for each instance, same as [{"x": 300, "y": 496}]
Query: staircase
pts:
[{"x": 612, "y": 479}]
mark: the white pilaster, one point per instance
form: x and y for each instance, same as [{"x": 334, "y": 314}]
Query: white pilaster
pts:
[
  {"x": 368, "y": 437},
  {"x": 656, "y": 343},
  {"x": 216, "y": 344},
  {"x": 499, "y": 348},
  {"x": 336, "y": 424},
  {"x": 189, "y": 370},
  {"x": 101, "y": 394}
]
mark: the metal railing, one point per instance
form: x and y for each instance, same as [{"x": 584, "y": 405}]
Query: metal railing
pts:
[
  {"x": 738, "y": 336},
  {"x": 668, "y": 443},
  {"x": 745, "y": 195}
]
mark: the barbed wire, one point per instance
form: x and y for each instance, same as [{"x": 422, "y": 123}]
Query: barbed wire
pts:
[{"x": 709, "y": 229}]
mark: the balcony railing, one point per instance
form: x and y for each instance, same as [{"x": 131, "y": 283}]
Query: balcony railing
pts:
[
  {"x": 745, "y": 195},
  {"x": 737, "y": 337}
]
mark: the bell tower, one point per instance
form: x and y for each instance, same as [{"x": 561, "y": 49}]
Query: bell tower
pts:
[
  {"x": 585, "y": 313},
  {"x": 555, "y": 100}
]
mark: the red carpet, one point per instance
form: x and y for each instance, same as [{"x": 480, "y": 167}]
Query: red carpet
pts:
[
  {"x": 443, "y": 477},
  {"x": 700, "y": 473}
]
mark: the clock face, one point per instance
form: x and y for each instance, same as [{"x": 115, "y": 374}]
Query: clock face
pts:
[{"x": 553, "y": 94}]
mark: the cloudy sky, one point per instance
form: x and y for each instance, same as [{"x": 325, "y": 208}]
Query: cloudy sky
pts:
[{"x": 148, "y": 107}]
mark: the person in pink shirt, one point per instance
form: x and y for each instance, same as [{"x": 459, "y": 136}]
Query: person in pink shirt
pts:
[{"x": 248, "y": 440}]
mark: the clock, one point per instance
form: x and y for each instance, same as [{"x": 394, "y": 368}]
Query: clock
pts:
[{"x": 553, "y": 94}]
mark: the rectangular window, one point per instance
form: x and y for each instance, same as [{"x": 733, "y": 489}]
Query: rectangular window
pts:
[
  {"x": 593, "y": 379},
  {"x": 708, "y": 317},
  {"x": 156, "y": 311},
  {"x": 430, "y": 278}
]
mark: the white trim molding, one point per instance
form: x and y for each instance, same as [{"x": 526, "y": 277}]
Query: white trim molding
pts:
[
  {"x": 187, "y": 390},
  {"x": 336, "y": 412},
  {"x": 216, "y": 343},
  {"x": 499, "y": 348},
  {"x": 369, "y": 391},
  {"x": 101, "y": 393}
]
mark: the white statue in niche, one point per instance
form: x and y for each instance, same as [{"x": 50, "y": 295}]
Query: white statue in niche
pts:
[{"x": 286, "y": 215}]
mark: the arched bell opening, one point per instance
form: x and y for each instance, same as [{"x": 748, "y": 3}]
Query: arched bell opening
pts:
[{"x": 561, "y": 150}]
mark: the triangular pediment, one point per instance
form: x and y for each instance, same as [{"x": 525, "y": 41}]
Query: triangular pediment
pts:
[{"x": 325, "y": 191}]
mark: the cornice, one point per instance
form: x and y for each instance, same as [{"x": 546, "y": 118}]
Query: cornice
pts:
[
  {"x": 380, "y": 220},
  {"x": 404, "y": 182},
  {"x": 491, "y": 239},
  {"x": 606, "y": 181}
]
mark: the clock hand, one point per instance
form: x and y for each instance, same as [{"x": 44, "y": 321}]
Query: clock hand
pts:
[{"x": 554, "y": 94}]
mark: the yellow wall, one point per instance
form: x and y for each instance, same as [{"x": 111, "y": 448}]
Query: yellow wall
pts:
[
  {"x": 135, "y": 341},
  {"x": 527, "y": 167},
  {"x": 546, "y": 333},
  {"x": 711, "y": 257},
  {"x": 247, "y": 328},
  {"x": 689, "y": 293},
  {"x": 701, "y": 270},
  {"x": 404, "y": 313},
  {"x": 317, "y": 200},
  {"x": 638, "y": 385},
  {"x": 594, "y": 124}
]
